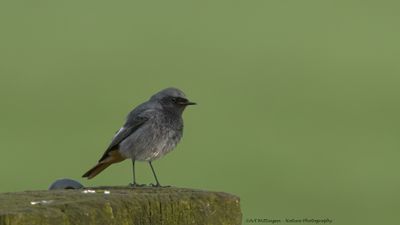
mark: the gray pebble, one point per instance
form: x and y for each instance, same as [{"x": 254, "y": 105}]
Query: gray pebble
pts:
[{"x": 65, "y": 184}]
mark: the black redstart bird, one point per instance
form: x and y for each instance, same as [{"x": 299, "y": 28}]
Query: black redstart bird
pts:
[{"x": 151, "y": 130}]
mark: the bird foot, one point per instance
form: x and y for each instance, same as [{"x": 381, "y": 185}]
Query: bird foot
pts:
[
  {"x": 135, "y": 185},
  {"x": 159, "y": 185}
]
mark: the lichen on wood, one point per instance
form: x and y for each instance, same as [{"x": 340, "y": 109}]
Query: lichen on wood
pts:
[{"x": 120, "y": 206}]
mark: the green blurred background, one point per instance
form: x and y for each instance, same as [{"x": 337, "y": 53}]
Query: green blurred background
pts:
[{"x": 298, "y": 100}]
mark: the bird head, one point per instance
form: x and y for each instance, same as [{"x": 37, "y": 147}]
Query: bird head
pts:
[{"x": 172, "y": 99}]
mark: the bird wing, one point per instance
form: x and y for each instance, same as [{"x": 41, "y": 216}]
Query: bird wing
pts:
[{"x": 130, "y": 126}]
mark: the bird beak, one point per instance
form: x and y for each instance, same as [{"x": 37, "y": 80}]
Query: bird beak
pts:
[
  {"x": 190, "y": 103},
  {"x": 185, "y": 102}
]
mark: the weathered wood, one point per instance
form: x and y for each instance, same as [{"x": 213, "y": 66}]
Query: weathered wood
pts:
[{"x": 122, "y": 206}]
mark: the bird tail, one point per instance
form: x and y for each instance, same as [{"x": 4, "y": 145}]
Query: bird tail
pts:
[
  {"x": 96, "y": 170},
  {"x": 113, "y": 157}
]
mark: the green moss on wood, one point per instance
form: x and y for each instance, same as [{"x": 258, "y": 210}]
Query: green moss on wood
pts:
[{"x": 123, "y": 206}]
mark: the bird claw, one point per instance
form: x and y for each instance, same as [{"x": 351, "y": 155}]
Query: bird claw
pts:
[
  {"x": 135, "y": 185},
  {"x": 159, "y": 185},
  {"x": 155, "y": 185}
]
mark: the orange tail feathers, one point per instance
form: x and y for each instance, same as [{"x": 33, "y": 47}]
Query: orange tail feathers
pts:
[{"x": 113, "y": 157}]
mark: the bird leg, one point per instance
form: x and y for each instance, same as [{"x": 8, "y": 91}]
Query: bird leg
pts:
[
  {"x": 134, "y": 184},
  {"x": 155, "y": 177}
]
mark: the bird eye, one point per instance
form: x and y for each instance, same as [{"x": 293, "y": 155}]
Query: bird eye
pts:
[{"x": 175, "y": 100}]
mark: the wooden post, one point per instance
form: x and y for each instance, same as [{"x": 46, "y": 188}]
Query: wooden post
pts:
[{"x": 120, "y": 206}]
